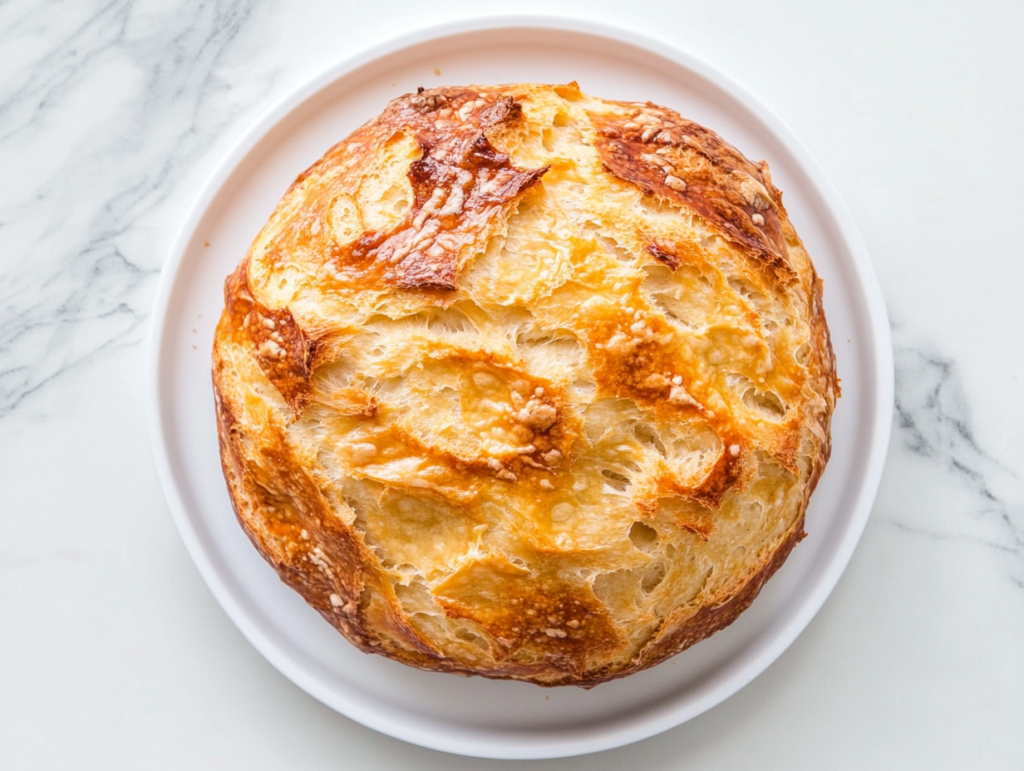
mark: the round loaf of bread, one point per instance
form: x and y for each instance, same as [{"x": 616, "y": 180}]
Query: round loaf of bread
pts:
[{"x": 522, "y": 383}]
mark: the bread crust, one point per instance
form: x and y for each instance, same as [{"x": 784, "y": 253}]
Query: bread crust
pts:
[{"x": 525, "y": 384}]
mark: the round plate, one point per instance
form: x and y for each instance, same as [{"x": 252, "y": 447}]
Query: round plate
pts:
[{"x": 475, "y": 716}]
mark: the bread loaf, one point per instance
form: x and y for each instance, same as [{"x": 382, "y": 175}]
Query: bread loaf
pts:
[{"x": 522, "y": 383}]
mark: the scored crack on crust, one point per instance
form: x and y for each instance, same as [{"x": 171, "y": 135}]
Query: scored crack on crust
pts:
[{"x": 522, "y": 383}]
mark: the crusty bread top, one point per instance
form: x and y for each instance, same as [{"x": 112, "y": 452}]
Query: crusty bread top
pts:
[{"x": 523, "y": 383}]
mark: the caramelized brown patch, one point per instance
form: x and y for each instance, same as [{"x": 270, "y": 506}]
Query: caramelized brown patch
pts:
[
  {"x": 664, "y": 256},
  {"x": 636, "y": 364},
  {"x": 674, "y": 158},
  {"x": 672, "y": 253},
  {"x": 702, "y": 530},
  {"x": 633, "y": 361},
  {"x": 726, "y": 474},
  {"x": 544, "y": 613},
  {"x": 284, "y": 352},
  {"x": 461, "y": 184},
  {"x": 237, "y": 297},
  {"x": 456, "y": 200}
]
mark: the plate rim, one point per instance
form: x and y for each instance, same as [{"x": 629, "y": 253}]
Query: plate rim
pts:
[{"x": 512, "y": 745}]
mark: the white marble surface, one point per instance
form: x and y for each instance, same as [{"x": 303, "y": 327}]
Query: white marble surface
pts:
[{"x": 113, "y": 654}]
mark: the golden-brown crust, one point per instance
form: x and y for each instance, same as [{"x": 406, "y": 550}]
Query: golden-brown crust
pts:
[
  {"x": 284, "y": 352},
  {"x": 718, "y": 615},
  {"x": 458, "y": 186},
  {"x": 674, "y": 158},
  {"x": 560, "y": 478}
]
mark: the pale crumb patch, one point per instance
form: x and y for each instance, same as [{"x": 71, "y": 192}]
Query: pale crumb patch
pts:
[
  {"x": 679, "y": 395},
  {"x": 484, "y": 380},
  {"x": 655, "y": 382},
  {"x": 318, "y": 558},
  {"x": 657, "y": 160},
  {"x": 675, "y": 183},
  {"x": 362, "y": 452},
  {"x": 271, "y": 350},
  {"x": 538, "y": 415},
  {"x": 562, "y": 512}
]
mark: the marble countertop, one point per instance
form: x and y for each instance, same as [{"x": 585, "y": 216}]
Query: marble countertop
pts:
[{"x": 115, "y": 654}]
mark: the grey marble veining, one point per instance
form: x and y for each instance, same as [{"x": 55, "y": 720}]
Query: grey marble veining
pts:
[
  {"x": 151, "y": 86},
  {"x": 933, "y": 424}
]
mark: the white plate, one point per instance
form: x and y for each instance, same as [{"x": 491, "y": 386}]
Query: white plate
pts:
[{"x": 476, "y": 716}]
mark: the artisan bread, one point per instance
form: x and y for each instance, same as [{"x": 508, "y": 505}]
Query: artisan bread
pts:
[{"x": 522, "y": 383}]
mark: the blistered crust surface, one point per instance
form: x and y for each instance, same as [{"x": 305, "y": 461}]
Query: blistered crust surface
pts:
[{"x": 522, "y": 383}]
